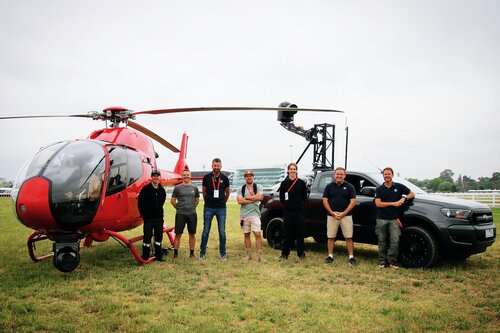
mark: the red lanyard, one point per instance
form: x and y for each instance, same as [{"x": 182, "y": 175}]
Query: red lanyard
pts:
[
  {"x": 250, "y": 191},
  {"x": 213, "y": 183},
  {"x": 293, "y": 184}
]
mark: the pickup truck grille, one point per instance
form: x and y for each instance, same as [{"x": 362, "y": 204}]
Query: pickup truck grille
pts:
[{"x": 482, "y": 217}]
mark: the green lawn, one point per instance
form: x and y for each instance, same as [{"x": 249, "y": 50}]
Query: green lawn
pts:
[{"x": 109, "y": 291}]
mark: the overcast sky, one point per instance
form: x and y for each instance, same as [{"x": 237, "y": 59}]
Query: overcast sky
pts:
[{"x": 419, "y": 81}]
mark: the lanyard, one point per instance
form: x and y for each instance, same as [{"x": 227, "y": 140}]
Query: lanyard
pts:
[
  {"x": 293, "y": 184},
  {"x": 250, "y": 191},
  {"x": 218, "y": 184}
]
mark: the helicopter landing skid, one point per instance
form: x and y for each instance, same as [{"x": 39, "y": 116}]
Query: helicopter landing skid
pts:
[
  {"x": 129, "y": 243},
  {"x": 37, "y": 236}
]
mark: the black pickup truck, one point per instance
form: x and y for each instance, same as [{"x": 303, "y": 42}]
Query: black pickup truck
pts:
[{"x": 434, "y": 227}]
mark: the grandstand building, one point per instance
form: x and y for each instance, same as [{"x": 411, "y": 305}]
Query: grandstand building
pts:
[{"x": 266, "y": 177}]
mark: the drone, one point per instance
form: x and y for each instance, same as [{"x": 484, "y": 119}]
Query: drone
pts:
[{"x": 87, "y": 189}]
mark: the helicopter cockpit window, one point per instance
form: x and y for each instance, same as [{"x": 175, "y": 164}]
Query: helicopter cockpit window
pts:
[
  {"x": 76, "y": 176},
  {"x": 125, "y": 168},
  {"x": 34, "y": 165},
  {"x": 117, "y": 178},
  {"x": 134, "y": 166},
  {"x": 73, "y": 168}
]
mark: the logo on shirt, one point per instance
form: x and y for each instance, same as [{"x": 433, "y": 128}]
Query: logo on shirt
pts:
[{"x": 395, "y": 190}]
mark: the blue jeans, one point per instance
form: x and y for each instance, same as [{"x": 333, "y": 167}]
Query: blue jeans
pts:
[
  {"x": 388, "y": 230},
  {"x": 208, "y": 215}
]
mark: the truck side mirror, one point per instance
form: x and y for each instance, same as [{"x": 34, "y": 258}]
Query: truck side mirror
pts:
[{"x": 368, "y": 191}]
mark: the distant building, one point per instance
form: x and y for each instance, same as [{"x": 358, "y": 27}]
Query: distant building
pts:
[{"x": 267, "y": 177}]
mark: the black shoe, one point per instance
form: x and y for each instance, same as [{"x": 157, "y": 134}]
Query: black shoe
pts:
[
  {"x": 145, "y": 252},
  {"x": 159, "y": 253},
  {"x": 352, "y": 261},
  {"x": 328, "y": 260}
]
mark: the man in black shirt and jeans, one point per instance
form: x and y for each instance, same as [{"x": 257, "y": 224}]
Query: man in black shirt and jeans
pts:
[
  {"x": 216, "y": 190},
  {"x": 293, "y": 196},
  {"x": 389, "y": 197},
  {"x": 151, "y": 200}
]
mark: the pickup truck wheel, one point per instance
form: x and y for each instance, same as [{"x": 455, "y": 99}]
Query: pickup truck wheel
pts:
[
  {"x": 275, "y": 233},
  {"x": 320, "y": 239},
  {"x": 418, "y": 248}
]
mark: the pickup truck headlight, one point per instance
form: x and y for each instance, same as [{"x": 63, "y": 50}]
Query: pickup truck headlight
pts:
[{"x": 462, "y": 214}]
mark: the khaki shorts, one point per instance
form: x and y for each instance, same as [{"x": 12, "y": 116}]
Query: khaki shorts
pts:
[
  {"x": 332, "y": 226},
  {"x": 251, "y": 223}
]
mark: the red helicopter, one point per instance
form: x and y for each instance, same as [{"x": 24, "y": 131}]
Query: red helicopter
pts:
[{"x": 87, "y": 189}]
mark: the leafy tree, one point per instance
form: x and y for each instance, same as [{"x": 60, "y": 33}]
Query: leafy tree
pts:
[
  {"x": 485, "y": 183},
  {"x": 445, "y": 187},
  {"x": 469, "y": 183},
  {"x": 459, "y": 184},
  {"x": 446, "y": 175},
  {"x": 433, "y": 184}
]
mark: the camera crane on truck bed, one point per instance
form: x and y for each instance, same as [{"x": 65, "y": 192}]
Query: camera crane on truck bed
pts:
[{"x": 321, "y": 137}]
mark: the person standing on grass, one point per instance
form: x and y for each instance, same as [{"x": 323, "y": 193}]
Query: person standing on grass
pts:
[
  {"x": 249, "y": 197},
  {"x": 185, "y": 198},
  {"x": 150, "y": 204},
  {"x": 293, "y": 196},
  {"x": 339, "y": 199},
  {"x": 215, "y": 194},
  {"x": 389, "y": 197}
]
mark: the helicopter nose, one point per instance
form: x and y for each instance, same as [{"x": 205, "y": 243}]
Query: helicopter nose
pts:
[{"x": 33, "y": 206}]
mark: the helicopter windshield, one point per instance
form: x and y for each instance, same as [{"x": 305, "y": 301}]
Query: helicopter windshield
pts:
[{"x": 76, "y": 174}]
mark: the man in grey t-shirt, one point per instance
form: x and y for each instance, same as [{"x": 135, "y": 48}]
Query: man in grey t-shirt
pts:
[
  {"x": 185, "y": 198},
  {"x": 249, "y": 197}
]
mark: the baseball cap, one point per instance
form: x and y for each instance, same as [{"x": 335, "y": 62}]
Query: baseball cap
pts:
[
  {"x": 155, "y": 172},
  {"x": 248, "y": 172}
]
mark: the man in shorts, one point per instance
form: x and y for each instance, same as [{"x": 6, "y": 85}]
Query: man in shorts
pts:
[
  {"x": 249, "y": 197},
  {"x": 339, "y": 198},
  {"x": 185, "y": 198}
]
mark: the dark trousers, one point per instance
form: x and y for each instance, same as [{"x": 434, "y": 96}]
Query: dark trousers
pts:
[
  {"x": 150, "y": 226},
  {"x": 294, "y": 224}
]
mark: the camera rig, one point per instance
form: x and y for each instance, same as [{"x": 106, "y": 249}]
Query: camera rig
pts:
[{"x": 321, "y": 137}]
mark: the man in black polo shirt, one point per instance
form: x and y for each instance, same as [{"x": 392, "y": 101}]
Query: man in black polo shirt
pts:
[
  {"x": 339, "y": 198},
  {"x": 389, "y": 197}
]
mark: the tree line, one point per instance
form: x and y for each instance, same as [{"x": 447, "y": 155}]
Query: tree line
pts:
[{"x": 445, "y": 183}]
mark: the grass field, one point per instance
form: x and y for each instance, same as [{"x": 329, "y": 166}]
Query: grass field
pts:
[{"x": 110, "y": 291}]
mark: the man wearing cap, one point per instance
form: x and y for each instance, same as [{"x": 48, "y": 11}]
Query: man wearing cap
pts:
[
  {"x": 151, "y": 200},
  {"x": 215, "y": 188},
  {"x": 249, "y": 197}
]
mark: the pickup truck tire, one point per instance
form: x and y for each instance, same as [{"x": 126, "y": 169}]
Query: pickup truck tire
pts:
[
  {"x": 275, "y": 233},
  {"x": 320, "y": 239},
  {"x": 418, "y": 248}
]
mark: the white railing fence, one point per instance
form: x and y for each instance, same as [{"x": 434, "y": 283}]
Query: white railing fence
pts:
[{"x": 491, "y": 199}]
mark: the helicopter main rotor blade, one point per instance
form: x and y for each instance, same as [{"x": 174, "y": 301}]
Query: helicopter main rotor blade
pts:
[
  {"x": 153, "y": 135},
  {"x": 49, "y": 116},
  {"x": 236, "y": 108}
]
